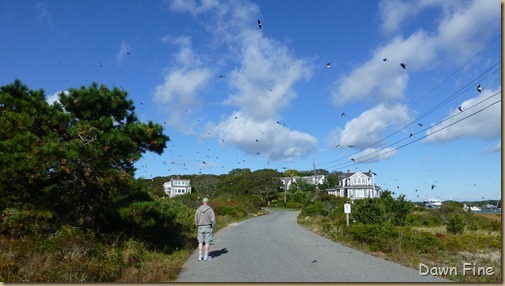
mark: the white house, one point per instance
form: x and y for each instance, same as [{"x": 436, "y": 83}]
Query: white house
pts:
[
  {"x": 312, "y": 180},
  {"x": 358, "y": 185},
  {"x": 177, "y": 187}
]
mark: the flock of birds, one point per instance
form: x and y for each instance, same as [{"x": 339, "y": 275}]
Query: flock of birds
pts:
[{"x": 329, "y": 66}]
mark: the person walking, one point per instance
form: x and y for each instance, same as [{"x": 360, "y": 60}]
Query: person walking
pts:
[{"x": 205, "y": 221}]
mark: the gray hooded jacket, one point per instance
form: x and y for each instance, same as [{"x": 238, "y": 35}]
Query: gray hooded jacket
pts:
[{"x": 205, "y": 216}]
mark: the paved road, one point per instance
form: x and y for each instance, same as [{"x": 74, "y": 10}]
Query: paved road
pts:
[{"x": 274, "y": 248}]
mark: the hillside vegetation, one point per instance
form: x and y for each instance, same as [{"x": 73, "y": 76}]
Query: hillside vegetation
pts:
[
  {"x": 71, "y": 209},
  {"x": 396, "y": 230}
]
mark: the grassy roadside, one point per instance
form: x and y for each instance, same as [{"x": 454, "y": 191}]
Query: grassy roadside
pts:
[
  {"x": 72, "y": 255},
  {"x": 474, "y": 246}
]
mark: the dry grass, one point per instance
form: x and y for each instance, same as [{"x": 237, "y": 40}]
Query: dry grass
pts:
[{"x": 481, "y": 247}]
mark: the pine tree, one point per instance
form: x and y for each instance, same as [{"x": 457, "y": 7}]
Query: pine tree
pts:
[{"x": 74, "y": 157}]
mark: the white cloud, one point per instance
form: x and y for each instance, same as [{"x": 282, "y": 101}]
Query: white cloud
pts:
[
  {"x": 368, "y": 128},
  {"x": 262, "y": 79},
  {"x": 178, "y": 94},
  {"x": 460, "y": 33},
  {"x": 55, "y": 97},
  {"x": 43, "y": 13},
  {"x": 464, "y": 31},
  {"x": 395, "y": 12},
  {"x": 122, "y": 53},
  {"x": 485, "y": 125},
  {"x": 377, "y": 80},
  {"x": 265, "y": 78},
  {"x": 266, "y": 137},
  {"x": 194, "y": 7}
]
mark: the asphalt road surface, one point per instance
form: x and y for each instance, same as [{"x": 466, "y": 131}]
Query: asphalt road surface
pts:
[{"x": 274, "y": 248}]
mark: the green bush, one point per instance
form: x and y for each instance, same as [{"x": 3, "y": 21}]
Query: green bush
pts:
[
  {"x": 222, "y": 210},
  {"x": 375, "y": 235},
  {"x": 154, "y": 222},
  {"x": 400, "y": 209},
  {"x": 456, "y": 224},
  {"x": 421, "y": 241},
  {"x": 314, "y": 209},
  {"x": 424, "y": 218},
  {"x": 19, "y": 222},
  {"x": 293, "y": 205},
  {"x": 369, "y": 211}
]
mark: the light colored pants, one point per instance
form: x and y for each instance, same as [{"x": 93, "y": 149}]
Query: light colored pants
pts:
[{"x": 205, "y": 234}]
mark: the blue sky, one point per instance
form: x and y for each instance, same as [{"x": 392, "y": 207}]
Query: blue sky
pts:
[{"x": 232, "y": 95}]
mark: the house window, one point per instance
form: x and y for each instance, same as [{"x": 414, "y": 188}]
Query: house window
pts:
[
  {"x": 359, "y": 181},
  {"x": 360, "y": 193}
]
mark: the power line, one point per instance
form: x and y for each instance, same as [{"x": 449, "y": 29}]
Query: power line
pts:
[
  {"x": 427, "y": 135},
  {"x": 456, "y": 94}
]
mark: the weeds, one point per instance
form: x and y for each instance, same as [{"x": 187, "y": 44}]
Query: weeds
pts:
[{"x": 411, "y": 245}]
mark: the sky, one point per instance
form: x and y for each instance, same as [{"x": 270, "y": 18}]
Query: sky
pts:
[{"x": 318, "y": 84}]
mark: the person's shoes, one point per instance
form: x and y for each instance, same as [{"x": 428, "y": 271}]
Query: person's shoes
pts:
[
  {"x": 208, "y": 258},
  {"x": 200, "y": 258}
]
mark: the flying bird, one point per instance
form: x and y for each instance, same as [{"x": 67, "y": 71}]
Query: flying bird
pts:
[
  {"x": 353, "y": 159},
  {"x": 460, "y": 108},
  {"x": 343, "y": 114},
  {"x": 328, "y": 65},
  {"x": 260, "y": 25},
  {"x": 432, "y": 186},
  {"x": 404, "y": 66},
  {"x": 385, "y": 59},
  {"x": 338, "y": 146},
  {"x": 351, "y": 146},
  {"x": 420, "y": 124},
  {"x": 479, "y": 88},
  {"x": 411, "y": 135}
]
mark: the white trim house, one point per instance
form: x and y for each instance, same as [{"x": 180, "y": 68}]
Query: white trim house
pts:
[
  {"x": 177, "y": 187},
  {"x": 358, "y": 185}
]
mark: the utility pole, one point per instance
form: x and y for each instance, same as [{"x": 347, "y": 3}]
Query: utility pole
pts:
[{"x": 315, "y": 177}]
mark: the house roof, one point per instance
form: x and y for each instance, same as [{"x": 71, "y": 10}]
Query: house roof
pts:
[{"x": 351, "y": 174}]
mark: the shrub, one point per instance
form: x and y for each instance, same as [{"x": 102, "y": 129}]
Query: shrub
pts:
[
  {"x": 222, "y": 210},
  {"x": 369, "y": 211},
  {"x": 401, "y": 208},
  {"x": 314, "y": 209},
  {"x": 421, "y": 241},
  {"x": 292, "y": 205},
  {"x": 456, "y": 224},
  {"x": 375, "y": 235},
  {"x": 19, "y": 222},
  {"x": 424, "y": 218}
]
